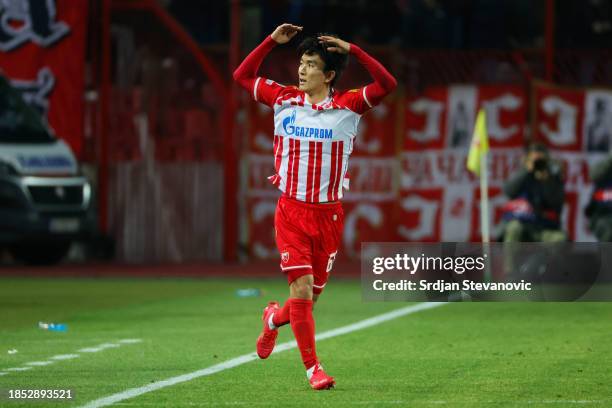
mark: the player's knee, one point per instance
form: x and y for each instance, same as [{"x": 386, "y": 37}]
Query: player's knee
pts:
[
  {"x": 303, "y": 291},
  {"x": 301, "y": 288}
]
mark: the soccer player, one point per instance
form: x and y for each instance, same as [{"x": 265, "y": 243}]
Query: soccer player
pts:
[{"x": 314, "y": 130}]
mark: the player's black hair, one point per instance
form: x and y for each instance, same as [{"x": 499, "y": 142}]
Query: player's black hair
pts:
[{"x": 333, "y": 61}]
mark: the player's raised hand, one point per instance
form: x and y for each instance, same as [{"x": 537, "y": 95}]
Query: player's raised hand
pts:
[
  {"x": 285, "y": 32},
  {"x": 335, "y": 44}
]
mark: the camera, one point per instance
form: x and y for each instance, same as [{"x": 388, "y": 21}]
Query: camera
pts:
[{"x": 540, "y": 164}]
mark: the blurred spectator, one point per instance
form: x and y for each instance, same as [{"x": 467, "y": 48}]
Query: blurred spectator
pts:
[
  {"x": 441, "y": 24},
  {"x": 599, "y": 210},
  {"x": 207, "y": 21},
  {"x": 488, "y": 24},
  {"x": 423, "y": 24},
  {"x": 537, "y": 196},
  {"x": 584, "y": 24}
]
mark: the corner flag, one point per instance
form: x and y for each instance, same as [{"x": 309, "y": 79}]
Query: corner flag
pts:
[
  {"x": 480, "y": 143},
  {"x": 477, "y": 164}
]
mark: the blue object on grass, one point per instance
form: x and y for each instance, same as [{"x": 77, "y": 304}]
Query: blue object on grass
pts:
[
  {"x": 59, "y": 327},
  {"x": 250, "y": 292}
]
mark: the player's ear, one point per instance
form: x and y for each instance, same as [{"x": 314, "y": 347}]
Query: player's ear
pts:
[{"x": 329, "y": 76}]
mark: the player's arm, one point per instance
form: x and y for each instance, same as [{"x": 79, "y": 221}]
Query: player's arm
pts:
[
  {"x": 384, "y": 83},
  {"x": 246, "y": 73}
]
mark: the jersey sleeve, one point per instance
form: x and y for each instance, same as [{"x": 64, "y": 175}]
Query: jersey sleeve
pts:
[
  {"x": 356, "y": 100},
  {"x": 362, "y": 99},
  {"x": 266, "y": 91}
]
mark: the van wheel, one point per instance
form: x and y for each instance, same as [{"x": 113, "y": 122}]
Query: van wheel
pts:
[{"x": 40, "y": 253}]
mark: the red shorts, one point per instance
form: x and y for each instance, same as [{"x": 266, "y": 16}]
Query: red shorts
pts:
[{"x": 308, "y": 237}]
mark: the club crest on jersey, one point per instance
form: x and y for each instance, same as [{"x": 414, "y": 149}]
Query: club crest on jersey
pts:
[
  {"x": 285, "y": 257},
  {"x": 306, "y": 132}
]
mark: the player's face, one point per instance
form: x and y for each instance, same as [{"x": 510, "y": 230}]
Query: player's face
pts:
[{"x": 310, "y": 73}]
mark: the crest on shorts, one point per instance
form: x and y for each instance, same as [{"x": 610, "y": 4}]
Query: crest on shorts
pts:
[{"x": 285, "y": 257}]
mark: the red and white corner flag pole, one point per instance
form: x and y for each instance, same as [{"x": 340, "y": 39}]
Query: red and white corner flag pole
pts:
[{"x": 477, "y": 164}]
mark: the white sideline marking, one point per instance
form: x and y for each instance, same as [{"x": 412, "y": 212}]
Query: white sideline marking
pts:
[
  {"x": 59, "y": 357},
  {"x": 39, "y": 363},
  {"x": 18, "y": 369},
  {"x": 373, "y": 321},
  {"x": 105, "y": 346},
  {"x": 64, "y": 356},
  {"x": 130, "y": 341},
  {"x": 101, "y": 347},
  {"x": 368, "y": 403}
]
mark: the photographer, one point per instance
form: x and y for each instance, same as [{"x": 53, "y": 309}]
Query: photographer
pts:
[
  {"x": 599, "y": 210},
  {"x": 537, "y": 196}
]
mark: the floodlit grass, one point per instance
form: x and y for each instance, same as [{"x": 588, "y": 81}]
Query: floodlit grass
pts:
[{"x": 457, "y": 355}]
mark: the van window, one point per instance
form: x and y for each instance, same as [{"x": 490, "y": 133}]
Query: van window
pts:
[{"x": 19, "y": 123}]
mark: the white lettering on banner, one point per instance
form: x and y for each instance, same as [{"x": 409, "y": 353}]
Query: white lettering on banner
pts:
[
  {"x": 503, "y": 164},
  {"x": 439, "y": 168},
  {"x": 260, "y": 212},
  {"x": 493, "y": 108},
  {"x": 372, "y": 174},
  {"x": 564, "y": 133},
  {"x": 36, "y": 92},
  {"x": 432, "y": 111},
  {"x": 368, "y": 212},
  {"x": 36, "y": 22},
  {"x": 427, "y": 210},
  {"x": 576, "y": 168}
]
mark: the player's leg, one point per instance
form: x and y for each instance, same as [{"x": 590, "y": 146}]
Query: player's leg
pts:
[
  {"x": 303, "y": 326},
  {"x": 325, "y": 248},
  {"x": 294, "y": 249},
  {"x": 281, "y": 316},
  {"x": 301, "y": 319}
]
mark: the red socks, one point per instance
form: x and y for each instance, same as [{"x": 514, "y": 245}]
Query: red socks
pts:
[
  {"x": 281, "y": 317},
  {"x": 298, "y": 312},
  {"x": 302, "y": 324}
]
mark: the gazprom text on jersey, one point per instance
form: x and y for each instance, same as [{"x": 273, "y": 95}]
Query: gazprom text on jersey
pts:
[
  {"x": 301, "y": 131},
  {"x": 309, "y": 132}
]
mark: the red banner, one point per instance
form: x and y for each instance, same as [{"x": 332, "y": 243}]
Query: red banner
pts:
[
  {"x": 443, "y": 117},
  {"x": 558, "y": 117},
  {"x": 573, "y": 119},
  {"x": 42, "y": 52}
]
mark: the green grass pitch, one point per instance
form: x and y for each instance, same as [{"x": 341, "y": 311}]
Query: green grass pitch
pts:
[{"x": 456, "y": 355}]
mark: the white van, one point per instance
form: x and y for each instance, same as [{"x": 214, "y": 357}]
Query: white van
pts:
[{"x": 44, "y": 198}]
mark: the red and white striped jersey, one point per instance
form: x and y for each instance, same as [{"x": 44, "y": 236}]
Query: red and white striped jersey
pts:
[{"x": 312, "y": 143}]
